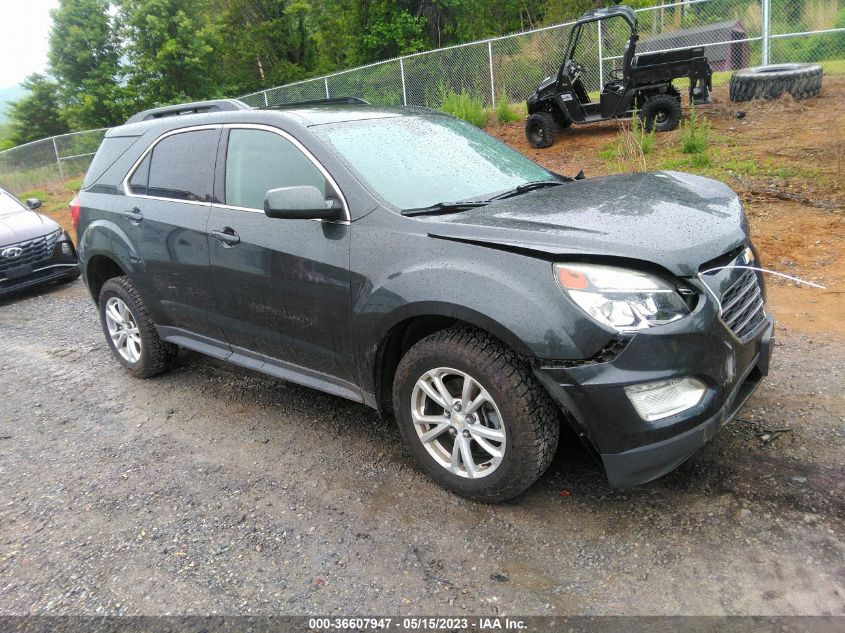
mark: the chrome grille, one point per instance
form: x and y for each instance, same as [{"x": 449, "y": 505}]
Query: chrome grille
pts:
[
  {"x": 742, "y": 307},
  {"x": 34, "y": 251}
]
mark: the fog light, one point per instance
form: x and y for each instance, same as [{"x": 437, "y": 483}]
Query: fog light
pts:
[
  {"x": 65, "y": 248},
  {"x": 658, "y": 400}
]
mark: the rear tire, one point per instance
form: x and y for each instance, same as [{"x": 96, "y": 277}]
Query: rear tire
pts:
[
  {"x": 130, "y": 332},
  {"x": 661, "y": 113},
  {"x": 541, "y": 129},
  {"x": 770, "y": 82},
  {"x": 503, "y": 405}
]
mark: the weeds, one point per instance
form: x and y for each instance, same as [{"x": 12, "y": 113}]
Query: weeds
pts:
[
  {"x": 633, "y": 144},
  {"x": 503, "y": 111},
  {"x": 464, "y": 106},
  {"x": 695, "y": 134}
]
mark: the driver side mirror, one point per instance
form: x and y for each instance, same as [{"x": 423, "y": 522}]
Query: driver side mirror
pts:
[
  {"x": 33, "y": 204},
  {"x": 299, "y": 203}
]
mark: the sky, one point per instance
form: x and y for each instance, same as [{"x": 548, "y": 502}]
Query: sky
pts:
[{"x": 24, "y": 29}]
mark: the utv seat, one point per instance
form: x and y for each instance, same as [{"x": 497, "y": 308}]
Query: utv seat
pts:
[{"x": 628, "y": 61}]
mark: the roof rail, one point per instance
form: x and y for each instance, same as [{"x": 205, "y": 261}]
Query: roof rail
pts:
[
  {"x": 333, "y": 101},
  {"x": 198, "y": 107}
]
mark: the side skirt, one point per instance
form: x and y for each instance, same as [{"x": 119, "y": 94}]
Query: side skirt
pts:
[{"x": 260, "y": 362}]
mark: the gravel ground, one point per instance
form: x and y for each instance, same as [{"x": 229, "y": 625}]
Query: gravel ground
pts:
[{"x": 213, "y": 489}]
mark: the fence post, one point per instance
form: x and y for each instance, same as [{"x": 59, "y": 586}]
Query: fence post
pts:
[
  {"x": 492, "y": 81},
  {"x": 326, "y": 81},
  {"x": 766, "y": 11},
  {"x": 402, "y": 75},
  {"x": 266, "y": 103},
  {"x": 58, "y": 160},
  {"x": 601, "y": 60}
]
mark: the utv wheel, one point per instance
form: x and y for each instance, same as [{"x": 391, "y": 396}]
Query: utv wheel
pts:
[
  {"x": 541, "y": 129},
  {"x": 130, "y": 331},
  {"x": 474, "y": 416},
  {"x": 660, "y": 113},
  {"x": 770, "y": 82}
]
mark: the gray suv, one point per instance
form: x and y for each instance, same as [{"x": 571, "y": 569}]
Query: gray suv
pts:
[{"x": 407, "y": 260}]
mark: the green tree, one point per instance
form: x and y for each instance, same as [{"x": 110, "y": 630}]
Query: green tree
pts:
[
  {"x": 36, "y": 115},
  {"x": 172, "y": 49},
  {"x": 265, "y": 42},
  {"x": 84, "y": 58}
]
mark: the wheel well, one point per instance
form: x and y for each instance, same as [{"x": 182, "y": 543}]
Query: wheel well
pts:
[
  {"x": 651, "y": 91},
  {"x": 399, "y": 340},
  {"x": 99, "y": 270}
]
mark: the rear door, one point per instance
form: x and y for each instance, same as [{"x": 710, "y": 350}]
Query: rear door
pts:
[
  {"x": 166, "y": 213},
  {"x": 282, "y": 285}
]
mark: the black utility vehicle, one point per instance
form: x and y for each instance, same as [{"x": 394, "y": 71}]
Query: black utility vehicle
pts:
[
  {"x": 405, "y": 259},
  {"x": 34, "y": 250},
  {"x": 643, "y": 84}
]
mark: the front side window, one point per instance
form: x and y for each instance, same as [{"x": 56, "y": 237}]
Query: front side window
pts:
[
  {"x": 181, "y": 167},
  {"x": 258, "y": 160},
  {"x": 415, "y": 162}
]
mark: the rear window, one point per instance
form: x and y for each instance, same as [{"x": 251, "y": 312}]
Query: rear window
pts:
[{"x": 112, "y": 148}]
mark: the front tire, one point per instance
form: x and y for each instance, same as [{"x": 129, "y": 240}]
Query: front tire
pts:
[
  {"x": 541, "y": 130},
  {"x": 661, "y": 113},
  {"x": 473, "y": 415},
  {"x": 130, "y": 332}
]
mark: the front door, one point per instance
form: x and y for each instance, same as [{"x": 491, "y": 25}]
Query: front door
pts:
[{"x": 282, "y": 285}]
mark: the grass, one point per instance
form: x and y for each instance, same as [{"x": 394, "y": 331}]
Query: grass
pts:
[
  {"x": 464, "y": 106},
  {"x": 695, "y": 133},
  {"x": 504, "y": 112},
  {"x": 55, "y": 197},
  {"x": 833, "y": 67},
  {"x": 631, "y": 146}
]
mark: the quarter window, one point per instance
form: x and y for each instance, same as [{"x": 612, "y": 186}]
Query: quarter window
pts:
[
  {"x": 140, "y": 179},
  {"x": 182, "y": 166},
  {"x": 257, "y": 161}
]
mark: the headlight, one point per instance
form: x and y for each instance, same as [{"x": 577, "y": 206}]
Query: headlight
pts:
[{"x": 626, "y": 300}]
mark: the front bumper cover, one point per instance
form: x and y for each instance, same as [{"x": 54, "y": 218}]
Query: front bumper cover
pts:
[
  {"x": 57, "y": 267},
  {"x": 632, "y": 450}
]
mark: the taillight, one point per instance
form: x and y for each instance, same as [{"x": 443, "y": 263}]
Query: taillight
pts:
[{"x": 74, "y": 212}]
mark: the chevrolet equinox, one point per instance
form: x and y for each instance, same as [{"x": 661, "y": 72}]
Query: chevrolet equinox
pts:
[{"x": 405, "y": 259}]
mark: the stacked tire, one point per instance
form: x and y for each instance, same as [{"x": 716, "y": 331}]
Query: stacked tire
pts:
[{"x": 770, "y": 82}]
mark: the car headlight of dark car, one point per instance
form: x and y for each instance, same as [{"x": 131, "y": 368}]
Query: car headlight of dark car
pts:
[{"x": 626, "y": 300}]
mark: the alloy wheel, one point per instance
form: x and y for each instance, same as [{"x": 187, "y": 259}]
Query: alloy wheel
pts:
[
  {"x": 458, "y": 422},
  {"x": 123, "y": 330}
]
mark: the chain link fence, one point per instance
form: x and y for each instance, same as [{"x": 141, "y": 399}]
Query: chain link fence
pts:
[{"x": 735, "y": 34}]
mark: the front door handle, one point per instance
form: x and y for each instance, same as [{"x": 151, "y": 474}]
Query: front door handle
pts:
[
  {"x": 134, "y": 216},
  {"x": 227, "y": 237}
]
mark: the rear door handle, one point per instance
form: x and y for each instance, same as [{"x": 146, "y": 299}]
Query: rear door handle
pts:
[
  {"x": 134, "y": 216},
  {"x": 227, "y": 237}
]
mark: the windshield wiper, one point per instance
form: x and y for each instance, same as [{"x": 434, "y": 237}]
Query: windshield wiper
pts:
[
  {"x": 445, "y": 207},
  {"x": 453, "y": 207},
  {"x": 528, "y": 186}
]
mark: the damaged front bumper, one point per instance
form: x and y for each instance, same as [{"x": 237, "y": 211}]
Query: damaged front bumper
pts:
[{"x": 632, "y": 449}]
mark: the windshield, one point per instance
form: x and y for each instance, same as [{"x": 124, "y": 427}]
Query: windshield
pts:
[
  {"x": 416, "y": 162},
  {"x": 9, "y": 204}
]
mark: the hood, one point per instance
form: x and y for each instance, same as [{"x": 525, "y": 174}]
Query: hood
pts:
[
  {"x": 672, "y": 219},
  {"x": 24, "y": 225}
]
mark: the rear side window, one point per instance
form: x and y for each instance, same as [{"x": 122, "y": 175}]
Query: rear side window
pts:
[
  {"x": 257, "y": 161},
  {"x": 182, "y": 166},
  {"x": 112, "y": 148}
]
